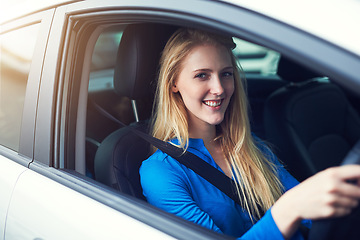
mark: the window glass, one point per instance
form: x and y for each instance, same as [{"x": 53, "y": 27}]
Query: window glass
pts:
[
  {"x": 103, "y": 60},
  {"x": 256, "y": 59},
  {"x": 17, "y": 48},
  {"x": 101, "y": 94}
]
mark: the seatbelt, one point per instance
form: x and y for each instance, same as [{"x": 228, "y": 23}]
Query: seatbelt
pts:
[{"x": 188, "y": 159}]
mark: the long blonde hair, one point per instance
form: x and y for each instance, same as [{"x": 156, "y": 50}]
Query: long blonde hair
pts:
[{"x": 258, "y": 180}]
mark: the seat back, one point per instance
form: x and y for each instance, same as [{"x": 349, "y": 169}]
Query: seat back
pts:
[
  {"x": 310, "y": 122},
  {"x": 118, "y": 159},
  {"x": 120, "y": 155}
]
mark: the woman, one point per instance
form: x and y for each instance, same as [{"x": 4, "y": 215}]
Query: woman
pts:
[{"x": 201, "y": 106}]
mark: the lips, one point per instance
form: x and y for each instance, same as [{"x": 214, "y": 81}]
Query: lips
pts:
[{"x": 213, "y": 103}]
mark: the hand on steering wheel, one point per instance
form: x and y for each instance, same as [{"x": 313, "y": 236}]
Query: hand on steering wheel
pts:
[
  {"x": 329, "y": 194},
  {"x": 345, "y": 227}
]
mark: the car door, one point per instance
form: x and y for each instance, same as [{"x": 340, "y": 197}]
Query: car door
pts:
[
  {"x": 22, "y": 51},
  {"x": 53, "y": 199},
  {"x": 34, "y": 206}
]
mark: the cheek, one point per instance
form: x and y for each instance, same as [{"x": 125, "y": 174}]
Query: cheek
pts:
[
  {"x": 192, "y": 91},
  {"x": 229, "y": 88},
  {"x": 191, "y": 98}
]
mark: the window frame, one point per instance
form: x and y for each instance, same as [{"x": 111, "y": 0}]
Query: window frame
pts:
[{"x": 26, "y": 144}]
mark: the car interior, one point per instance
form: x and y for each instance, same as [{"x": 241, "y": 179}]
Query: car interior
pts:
[{"x": 309, "y": 122}]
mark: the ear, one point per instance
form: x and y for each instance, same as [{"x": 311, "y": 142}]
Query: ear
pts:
[{"x": 174, "y": 89}]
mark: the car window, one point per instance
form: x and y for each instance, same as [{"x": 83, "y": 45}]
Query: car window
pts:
[
  {"x": 256, "y": 59},
  {"x": 17, "y": 48},
  {"x": 101, "y": 94}
]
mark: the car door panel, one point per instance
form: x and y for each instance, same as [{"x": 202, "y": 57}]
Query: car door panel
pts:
[
  {"x": 9, "y": 174},
  {"x": 54, "y": 211}
]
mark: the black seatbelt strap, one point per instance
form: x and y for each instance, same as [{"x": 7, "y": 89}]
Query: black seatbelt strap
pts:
[{"x": 188, "y": 159}]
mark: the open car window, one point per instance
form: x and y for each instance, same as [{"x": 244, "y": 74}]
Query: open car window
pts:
[{"x": 254, "y": 59}]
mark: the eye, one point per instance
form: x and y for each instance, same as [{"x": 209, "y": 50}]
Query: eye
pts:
[
  {"x": 227, "y": 74},
  {"x": 201, "y": 75}
]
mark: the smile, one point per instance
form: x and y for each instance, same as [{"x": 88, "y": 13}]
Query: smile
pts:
[{"x": 213, "y": 103}]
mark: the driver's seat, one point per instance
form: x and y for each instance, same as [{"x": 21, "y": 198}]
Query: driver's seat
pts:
[{"x": 119, "y": 156}]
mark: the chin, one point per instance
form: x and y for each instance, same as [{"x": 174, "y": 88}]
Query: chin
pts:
[{"x": 216, "y": 122}]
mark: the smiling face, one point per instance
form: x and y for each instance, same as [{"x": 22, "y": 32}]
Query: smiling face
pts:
[{"x": 206, "y": 84}]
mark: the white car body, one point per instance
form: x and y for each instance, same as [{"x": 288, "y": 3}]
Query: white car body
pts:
[{"x": 41, "y": 201}]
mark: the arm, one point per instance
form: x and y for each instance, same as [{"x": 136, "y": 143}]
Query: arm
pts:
[
  {"x": 266, "y": 228},
  {"x": 165, "y": 188},
  {"x": 324, "y": 195}
]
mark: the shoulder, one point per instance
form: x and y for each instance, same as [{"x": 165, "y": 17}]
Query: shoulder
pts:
[
  {"x": 159, "y": 160},
  {"x": 161, "y": 175},
  {"x": 160, "y": 166}
]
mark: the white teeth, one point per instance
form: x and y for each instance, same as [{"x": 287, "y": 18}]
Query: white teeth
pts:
[{"x": 212, "y": 103}]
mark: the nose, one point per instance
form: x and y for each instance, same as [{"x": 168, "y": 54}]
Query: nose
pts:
[{"x": 216, "y": 86}]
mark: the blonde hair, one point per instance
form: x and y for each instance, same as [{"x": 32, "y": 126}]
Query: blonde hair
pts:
[{"x": 259, "y": 181}]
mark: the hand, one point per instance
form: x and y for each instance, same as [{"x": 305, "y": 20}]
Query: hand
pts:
[{"x": 326, "y": 194}]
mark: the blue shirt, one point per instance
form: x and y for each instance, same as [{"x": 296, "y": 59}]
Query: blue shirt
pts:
[{"x": 171, "y": 186}]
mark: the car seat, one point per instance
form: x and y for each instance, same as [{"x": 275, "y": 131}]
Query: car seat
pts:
[
  {"x": 119, "y": 156},
  {"x": 309, "y": 121}
]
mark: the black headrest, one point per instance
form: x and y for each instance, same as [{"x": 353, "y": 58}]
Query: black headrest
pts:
[
  {"x": 293, "y": 72},
  {"x": 138, "y": 58}
]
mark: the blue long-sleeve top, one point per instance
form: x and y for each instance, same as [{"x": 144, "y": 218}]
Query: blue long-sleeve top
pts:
[{"x": 169, "y": 185}]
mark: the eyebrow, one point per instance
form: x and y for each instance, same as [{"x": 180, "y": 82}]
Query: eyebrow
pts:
[{"x": 209, "y": 70}]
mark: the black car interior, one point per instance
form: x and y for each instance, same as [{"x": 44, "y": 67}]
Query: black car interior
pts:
[
  {"x": 285, "y": 111},
  {"x": 310, "y": 121},
  {"x": 119, "y": 156}
]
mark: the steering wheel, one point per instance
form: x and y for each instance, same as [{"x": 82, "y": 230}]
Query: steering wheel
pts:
[{"x": 347, "y": 227}]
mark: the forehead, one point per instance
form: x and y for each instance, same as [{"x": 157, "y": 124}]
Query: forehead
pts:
[{"x": 207, "y": 55}]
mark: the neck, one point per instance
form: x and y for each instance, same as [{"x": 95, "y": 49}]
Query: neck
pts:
[{"x": 206, "y": 132}]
